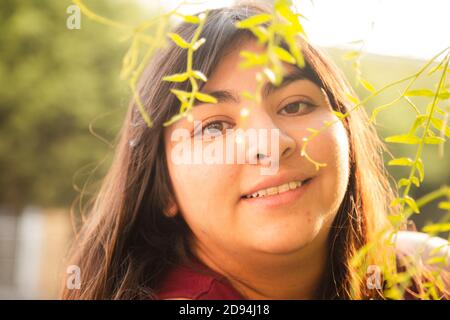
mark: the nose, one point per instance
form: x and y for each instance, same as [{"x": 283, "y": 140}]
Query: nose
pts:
[{"x": 272, "y": 143}]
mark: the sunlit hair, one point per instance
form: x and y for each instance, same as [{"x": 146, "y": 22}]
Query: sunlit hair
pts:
[{"x": 127, "y": 242}]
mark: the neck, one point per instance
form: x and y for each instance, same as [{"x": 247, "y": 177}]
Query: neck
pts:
[{"x": 295, "y": 275}]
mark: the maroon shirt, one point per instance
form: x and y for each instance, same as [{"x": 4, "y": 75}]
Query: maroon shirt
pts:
[
  {"x": 199, "y": 282},
  {"x": 184, "y": 281}
]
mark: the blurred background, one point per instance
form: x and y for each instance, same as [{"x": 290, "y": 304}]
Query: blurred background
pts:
[{"x": 62, "y": 103}]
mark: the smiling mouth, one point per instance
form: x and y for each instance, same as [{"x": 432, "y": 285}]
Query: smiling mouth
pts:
[{"x": 272, "y": 191}]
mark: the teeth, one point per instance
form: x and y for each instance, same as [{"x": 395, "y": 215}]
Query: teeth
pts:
[{"x": 275, "y": 190}]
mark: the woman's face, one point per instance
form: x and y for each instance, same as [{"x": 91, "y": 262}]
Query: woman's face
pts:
[{"x": 212, "y": 197}]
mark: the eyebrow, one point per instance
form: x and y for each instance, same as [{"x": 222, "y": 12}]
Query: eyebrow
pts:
[{"x": 225, "y": 96}]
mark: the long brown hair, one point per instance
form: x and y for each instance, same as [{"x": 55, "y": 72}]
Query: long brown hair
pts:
[{"x": 127, "y": 242}]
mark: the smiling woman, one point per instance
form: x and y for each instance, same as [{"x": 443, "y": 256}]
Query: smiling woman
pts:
[{"x": 168, "y": 229}]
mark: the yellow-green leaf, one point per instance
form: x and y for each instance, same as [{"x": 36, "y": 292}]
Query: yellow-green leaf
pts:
[
  {"x": 406, "y": 139},
  {"x": 445, "y": 205},
  {"x": 198, "y": 43},
  {"x": 191, "y": 19},
  {"x": 178, "y": 40},
  {"x": 175, "y": 118},
  {"x": 261, "y": 33},
  {"x": 415, "y": 181},
  {"x": 284, "y": 55},
  {"x": 419, "y": 166},
  {"x": 420, "y": 92},
  {"x": 295, "y": 51},
  {"x": 270, "y": 75},
  {"x": 439, "y": 125},
  {"x": 401, "y": 162},
  {"x": 252, "y": 59},
  {"x": 437, "y": 260},
  {"x": 351, "y": 55},
  {"x": 199, "y": 75},
  {"x": 312, "y": 130},
  {"x": 338, "y": 114},
  {"x": 412, "y": 204},
  {"x": 248, "y": 95},
  {"x": 205, "y": 97},
  {"x": 178, "y": 77},
  {"x": 404, "y": 182},
  {"x": 437, "y": 228},
  {"x": 352, "y": 98},
  {"x": 367, "y": 85},
  {"x": 181, "y": 95},
  {"x": 419, "y": 120},
  {"x": 396, "y": 201},
  {"x": 434, "y": 140},
  {"x": 254, "y": 20},
  {"x": 444, "y": 95}
]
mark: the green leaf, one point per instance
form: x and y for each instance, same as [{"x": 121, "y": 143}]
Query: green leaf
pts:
[
  {"x": 205, "y": 97},
  {"x": 284, "y": 55},
  {"x": 199, "y": 75},
  {"x": 178, "y": 77},
  {"x": 412, "y": 204},
  {"x": 405, "y": 138},
  {"x": 179, "y": 41},
  {"x": 254, "y": 21},
  {"x": 445, "y": 205},
  {"x": 367, "y": 85},
  {"x": 401, "y": 162},
  {"x": 420, "y": 92}
]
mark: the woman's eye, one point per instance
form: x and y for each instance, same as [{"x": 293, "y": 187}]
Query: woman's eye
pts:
[
  {"x": 214, "y": 129},
  {"x": 295, "y": 108}
]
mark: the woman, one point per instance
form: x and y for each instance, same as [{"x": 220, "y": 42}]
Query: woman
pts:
[{"x": 168, "y": 229}]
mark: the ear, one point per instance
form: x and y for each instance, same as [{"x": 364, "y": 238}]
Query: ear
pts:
[{"x": 171, "y": 210}]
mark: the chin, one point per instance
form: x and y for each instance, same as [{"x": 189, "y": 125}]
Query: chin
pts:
[{"x": 285, "y": 242}]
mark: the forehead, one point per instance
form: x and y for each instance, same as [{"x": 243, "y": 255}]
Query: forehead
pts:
[{"x": 229, "y": 74}]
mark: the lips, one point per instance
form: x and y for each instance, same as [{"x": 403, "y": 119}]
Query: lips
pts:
[{"x": 272, "y": 188}]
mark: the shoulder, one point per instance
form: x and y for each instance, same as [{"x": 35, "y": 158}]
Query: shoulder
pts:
[
  {"x": 185, "y": 283},
  {"x": 424, "y": 247}
]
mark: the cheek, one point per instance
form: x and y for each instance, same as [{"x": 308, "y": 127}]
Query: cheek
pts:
[
  {"x": 331, "y": 147},
  {"x": 202, "y": 192}
]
